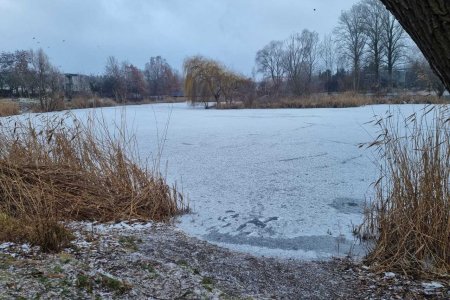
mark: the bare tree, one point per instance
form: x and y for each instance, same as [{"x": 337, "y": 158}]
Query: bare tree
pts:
[
  {"x": 116, "y": 78},
  {"x": 427, "y": 22},
  {"x": 160, "y": 77},
  {"x": 16, "y": 72},
  {"x": 135, "y": 82},
  {"x": 373, "y": 26},
  {"x": 269, "y": 62},
  {"x": 7, "y": 62},
  {"x": 352, "y": 38},
  {"x": 311, "y": 39},
  {"x": 299, "y": 60},
  {"x": 423, "y": 76},
  {"x": 292, "y": 62},
  {"x": 49, "y": 81},
  {"x": 393, "y": 43},
  {"x": 327, "y": 51},
  {"x": 21, "y": 72}
]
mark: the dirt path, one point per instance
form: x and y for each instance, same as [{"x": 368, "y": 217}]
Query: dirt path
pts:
[
  {"x": 161, "y": 262},
  {"x": 242, "y": 275}
]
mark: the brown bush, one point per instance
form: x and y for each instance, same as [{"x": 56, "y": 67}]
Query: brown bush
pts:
[
  {"x": 348, "y": 99},
  {"x": 409, "y": 219},
  {"x": 56, "y": 168},
  {"x": 9, "y": 108},
  {"x": 89, "y": 102}
]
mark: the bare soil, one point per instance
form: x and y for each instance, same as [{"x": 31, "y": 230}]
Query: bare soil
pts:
[{"x": 156, "y": 261}]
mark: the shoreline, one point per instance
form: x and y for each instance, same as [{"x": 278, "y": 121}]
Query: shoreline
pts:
[
  {"x": 315, "y": 102},
  {"x": 159, "y": 261}
]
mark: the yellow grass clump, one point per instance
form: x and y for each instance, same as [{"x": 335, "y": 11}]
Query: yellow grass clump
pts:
[
  {"x": 57, "y": 168},
  {"x": 9, "y": 108},
  {"x": 342, "y": 100},
  {"x": 409, "y": 218},
  {"x": 89, "y": 102}
]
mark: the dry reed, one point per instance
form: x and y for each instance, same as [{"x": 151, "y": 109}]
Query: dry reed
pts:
[
  {"x": 57, "y": 168},
  {"x": 409, "y": 219},
  {"x": 89, "y": 102},
  {"x": 347, "y": 99},
  {"x": 9, "y": 108}
]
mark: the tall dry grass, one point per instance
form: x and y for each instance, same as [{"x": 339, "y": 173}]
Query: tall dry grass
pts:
[
  {"x": 57, "y": 168},
  {"x": 321, "y": 101},
  {"x": 342, "y": 100},
  {"x": 409, "y": 219},
  {"x": 83, "y": 101},
  {"x": 9, "y": 108}
]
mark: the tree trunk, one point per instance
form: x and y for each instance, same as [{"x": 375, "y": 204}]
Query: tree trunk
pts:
[
  {"x": 390, "y": 71},
  {"x": 428, "y": 24}
]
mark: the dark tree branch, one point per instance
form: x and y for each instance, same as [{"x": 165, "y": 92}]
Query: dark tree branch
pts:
[{"x": 428, "y": 24}]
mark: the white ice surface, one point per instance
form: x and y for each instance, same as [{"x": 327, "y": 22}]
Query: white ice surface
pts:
[{"x": 284, "y": 182}]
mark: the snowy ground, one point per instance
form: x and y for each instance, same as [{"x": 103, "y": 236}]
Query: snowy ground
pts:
[
  {"x": 156, "y": 261},
  {"x": 287, "y": 182}
]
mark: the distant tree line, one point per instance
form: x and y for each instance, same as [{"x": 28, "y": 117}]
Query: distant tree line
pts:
[
  {"x": 367, "y": 52},
  {"x": 289, "y": 65},
  {"x": 30, "y": 74},
  {"x": 125, "y": 82}
]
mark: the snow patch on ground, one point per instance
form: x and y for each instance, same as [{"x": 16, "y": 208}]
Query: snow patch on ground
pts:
[
  {"x": 432, "y": 285},
  {"x": 108, "y": 227}
]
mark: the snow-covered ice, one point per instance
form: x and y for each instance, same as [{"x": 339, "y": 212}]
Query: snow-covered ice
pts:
[{"x": 284, "y": 182}]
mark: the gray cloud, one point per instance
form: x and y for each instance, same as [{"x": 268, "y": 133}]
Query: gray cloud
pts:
[{"x": 78, "y": 35}]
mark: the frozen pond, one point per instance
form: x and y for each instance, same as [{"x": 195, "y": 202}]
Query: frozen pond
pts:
[{"x": 288, "y": 182}]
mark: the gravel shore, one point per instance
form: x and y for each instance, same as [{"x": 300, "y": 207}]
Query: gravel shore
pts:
[{"x": 157, "y": 261}]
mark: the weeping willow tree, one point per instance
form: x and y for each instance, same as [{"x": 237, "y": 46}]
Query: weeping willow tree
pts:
[
  {"x": 207, "y": 80},
  {"x": 203, "y": 80}
]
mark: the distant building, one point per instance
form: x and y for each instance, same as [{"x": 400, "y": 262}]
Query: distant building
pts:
[
  {"x": 399, "y": 76},
  {"x": 75, "y": 84}
]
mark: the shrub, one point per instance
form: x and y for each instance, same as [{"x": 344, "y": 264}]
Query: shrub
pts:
[
  {"x": 9, "y": 108},
  {"x": 56, "y": 168},
  {"x": 347, "y": 99},
  {"x": 87, "y": 101},
  {"x": 409, "y": 219}
]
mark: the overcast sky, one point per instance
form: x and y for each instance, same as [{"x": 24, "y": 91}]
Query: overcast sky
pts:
[{"x": 78, "y": 35}]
